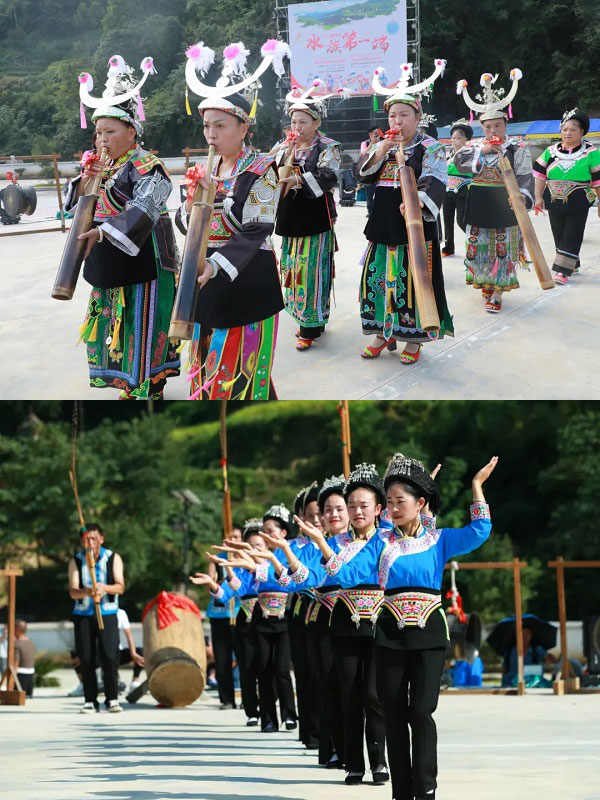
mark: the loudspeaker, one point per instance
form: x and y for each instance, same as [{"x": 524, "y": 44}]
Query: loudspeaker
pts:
[{"x": 591, "y": 643}]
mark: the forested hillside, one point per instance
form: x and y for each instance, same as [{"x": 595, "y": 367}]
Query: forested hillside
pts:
[{"x": 44, "y": 44}]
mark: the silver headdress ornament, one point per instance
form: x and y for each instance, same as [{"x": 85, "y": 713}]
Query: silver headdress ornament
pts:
[
  {"x": 201, "y": 58},
  {"x": 427, "y": 120},
  {"x": 333, "y": 485},
  {"x": 415, "y": 472},
  {"x": 311, "y": 103},
  {"x": 252, "y": 525},
  {"x": 121, "y": 89},
  {"x": 402, "y": 88},
  {"x": 365, "y": 475},
  {"x": 492, "y": 101},
  {"x": 280, "y": 512}
]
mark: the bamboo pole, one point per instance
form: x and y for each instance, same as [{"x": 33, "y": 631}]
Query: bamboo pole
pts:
[{"x": 227, "y": 517}]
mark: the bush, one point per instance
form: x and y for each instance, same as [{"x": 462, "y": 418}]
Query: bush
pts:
[{"x": 43, "y": 666}]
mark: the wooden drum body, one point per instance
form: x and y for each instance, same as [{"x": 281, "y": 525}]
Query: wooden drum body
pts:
[{"x": 174, "y": 650}]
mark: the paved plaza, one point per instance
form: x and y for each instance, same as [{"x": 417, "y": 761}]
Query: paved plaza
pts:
[
  {"x": 543, "y": 345},
  {"x": 537, "y": 747}
]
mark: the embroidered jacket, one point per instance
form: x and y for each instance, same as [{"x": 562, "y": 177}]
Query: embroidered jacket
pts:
[
  {"x": 568, "y": 170},
  {"x": 410, "y": 569},
  {"x": 132, "y": 213},
  {"x": 311, "y": 208},
  {"x": 246, "y": 287},
  {"x": 487, "y": 199},
  {"x": 427, "y": 157}
]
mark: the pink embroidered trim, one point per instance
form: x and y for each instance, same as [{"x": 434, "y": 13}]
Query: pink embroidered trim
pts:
[
  {"x": 262, "y": 572},
  {"x": 272, "y": 604},
  {"x": 412, "y": 609},
  {"x": 284, "y": 579},
  {"x": 300, "y": 575},
  {"x": 405, "y": 546},
  {"x": 247, "y": 606},
  {"x": 362, "y": 604},
  {"x": 235, "y": 583}
]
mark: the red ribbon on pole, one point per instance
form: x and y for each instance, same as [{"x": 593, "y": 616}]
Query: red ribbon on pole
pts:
[{"x": 165, "y": 603}]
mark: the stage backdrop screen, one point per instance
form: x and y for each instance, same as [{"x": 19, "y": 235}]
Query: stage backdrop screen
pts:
[{"x": 344, "y": 41}]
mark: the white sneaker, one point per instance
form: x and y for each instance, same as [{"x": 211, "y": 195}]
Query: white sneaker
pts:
[
  {"x": 78, "y": 692},
  {"x": 113, "y": 706},
  {"x": 88, "y": 708}
]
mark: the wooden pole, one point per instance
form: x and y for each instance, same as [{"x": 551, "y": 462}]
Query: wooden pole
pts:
[
  {"x": 519, "y": 625},
  {"x": 345, "y": 436},
  {"x": 10, "y": 696},
  {"x": 227, "y": 517},
  {"x": 58, "y": 192}
]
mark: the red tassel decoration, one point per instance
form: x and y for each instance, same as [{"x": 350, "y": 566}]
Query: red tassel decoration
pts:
[
  {"x": 510, "y": 111},
  {"x": 82, "y": 118},
  {"x": 471, "y": 117}
]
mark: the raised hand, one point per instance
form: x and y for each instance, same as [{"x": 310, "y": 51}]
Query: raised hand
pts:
[
  {"x": 274, "y": 541},
  {"x": 310, "y": 530},
  {"x": 485, "y": 472},
  {"x": 480, "y": 478},
  {"x": 202, "y": 579},
  {"x": 435, "y": 471}
]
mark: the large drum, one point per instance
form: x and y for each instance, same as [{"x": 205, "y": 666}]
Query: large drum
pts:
[{"x": 174, "y": 650}]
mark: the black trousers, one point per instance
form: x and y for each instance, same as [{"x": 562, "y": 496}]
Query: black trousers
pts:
[
  {"x": 274, "y": 679},
  {"x": 311, "y": 333},
  {"x": 331, "y": 725},
  {"x": 26, "y": 681},
  {"x": 221, "y": 634},
  {"x": 453, "y": 202},
  {"x": 361, "y": 708},
  {"x": 91, "y": 645},
  {"x": 245, "y": 650},
  {"x": 304, "y": 663},
  {"x": 568, "y": 221},
  {"x": 409, "y": 688}
]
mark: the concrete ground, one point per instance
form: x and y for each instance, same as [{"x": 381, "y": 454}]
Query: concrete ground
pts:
[
  {"x": 490, "y": 748},
  {"x": 543, "y": 344}
]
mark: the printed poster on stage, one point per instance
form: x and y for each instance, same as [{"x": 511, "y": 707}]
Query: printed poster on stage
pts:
[{"x": 344, "y": 41}]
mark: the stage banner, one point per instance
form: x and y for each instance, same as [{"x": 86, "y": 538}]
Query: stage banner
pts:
[{"x": 344, "y": 41}]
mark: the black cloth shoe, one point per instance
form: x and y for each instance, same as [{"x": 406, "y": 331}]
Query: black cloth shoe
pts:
[
  {"x": 291, "y": 724},
  {"x": 380, "y": 775},
  {"x": 252, "y": 721},
  {"x": 269, "y": 728},
  {"x": 354, "y": 778},
  {"x": 334, "y": 763}
]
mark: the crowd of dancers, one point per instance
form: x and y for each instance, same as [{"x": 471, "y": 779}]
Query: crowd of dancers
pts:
[{"x": 354, "y": 603}]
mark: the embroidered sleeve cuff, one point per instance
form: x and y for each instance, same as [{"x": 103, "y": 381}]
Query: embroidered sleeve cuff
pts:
[
  {"x": 428, "y": 522},
  {"x": 284, "y": 579},
  {"x": 370, "y": 166},
  {"x": 311, "y": 182},
  {"x": 219, "y": 594},
  {"x": 537, "y": 174},
  {"x": 119, "y": 239},
  {"x": 225, "y": 265},
  {"x": 595, "y": 184},
  {"x": 300, "y": 575},
  {"x": 262, "y": 572},
  {"x": 480, "y": 511},
  {"x": 430, "y": 211},
  {"x": 333, "y": 566},
  {"x": 235, "y": 583}
]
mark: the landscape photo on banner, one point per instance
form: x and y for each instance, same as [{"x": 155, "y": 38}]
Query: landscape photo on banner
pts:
[{"x": 342, "y": 42}]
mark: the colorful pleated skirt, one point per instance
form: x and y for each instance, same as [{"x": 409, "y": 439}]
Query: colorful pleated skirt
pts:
[{"x": 234, "y": 363}]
